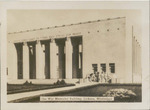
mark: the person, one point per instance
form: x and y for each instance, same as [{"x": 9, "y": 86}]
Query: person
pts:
[
  {"x": 108, "y": 78},
  {"x": 102, "y": 77},
  {"x": 105, "y": 77},
  {"x": 98, "y": 78},
  {"x": 93, "y": 77}
]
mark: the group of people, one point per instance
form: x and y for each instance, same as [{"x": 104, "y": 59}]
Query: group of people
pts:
[{"x": 99, "y": 77}]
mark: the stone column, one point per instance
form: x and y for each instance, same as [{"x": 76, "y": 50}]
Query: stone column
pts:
[
  {"x": 53, "y": 59},
  {"x": 25, "y": 61},
  {"x": 80, "y": 51},
  {"x": 43, "y": 61},
  {"x": 68, "y": 48},
  {"x": 12, "y": 58},
  {"x": 39, "y": 61}
]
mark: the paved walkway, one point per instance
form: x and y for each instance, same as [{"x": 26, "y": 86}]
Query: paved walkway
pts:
[{"x": 26, "y": 95}]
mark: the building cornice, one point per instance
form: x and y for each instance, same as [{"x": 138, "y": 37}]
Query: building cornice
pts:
[{"x": 87, "y": 22}]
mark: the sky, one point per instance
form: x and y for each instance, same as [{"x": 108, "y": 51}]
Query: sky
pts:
[{"x": 19, "y": 20}]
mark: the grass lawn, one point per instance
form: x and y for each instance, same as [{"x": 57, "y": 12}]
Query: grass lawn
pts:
[
  {"x": 98, "y": 91},
  {"x": 18, "y": 88}
]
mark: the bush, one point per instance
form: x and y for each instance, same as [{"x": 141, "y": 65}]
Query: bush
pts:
[
  {"x": 62, "y": 82},
  {"x": 120, "y": 93},
  {"x": 58, "y": 82},
  {"x": 27, "y": 83}
]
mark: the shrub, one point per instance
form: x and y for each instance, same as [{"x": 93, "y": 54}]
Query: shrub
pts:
[
  {"x": 26, "y": 83},
  {"x": 120, "y": 93},
  {"x": 62, "y": 82},
  {"x": 58, "y": 82}
]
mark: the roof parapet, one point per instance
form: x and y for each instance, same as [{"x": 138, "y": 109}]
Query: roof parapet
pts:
[{"x": 66, "y": 25}]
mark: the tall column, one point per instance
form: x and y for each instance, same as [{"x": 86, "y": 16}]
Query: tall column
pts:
[
  {"x": 39, "y": 61},
  {"x": 25, "y": 61},
  {"x": 68, "y": 58},
  {"x": 53, "y": 59},
  {"x": 80, "y": 57},
  {"x": 43, "y": 61},
  {"x": 12, "y": 58}
]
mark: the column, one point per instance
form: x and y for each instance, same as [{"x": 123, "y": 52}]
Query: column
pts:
[
  {"x": 12, "y": 58},
  {"x": 25, "y": 61},
  {"x": 68, "y": 58},
  {"x": 53, "y": 59},
  {"x": 43, "y": 61},
  {"x": 80, "y": 61},
  {"x": 80, "y": 57},
  {"x": 39, "y": 61}
]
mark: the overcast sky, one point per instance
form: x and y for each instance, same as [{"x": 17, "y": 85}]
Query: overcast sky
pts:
[{"x": 19, "y": 20}]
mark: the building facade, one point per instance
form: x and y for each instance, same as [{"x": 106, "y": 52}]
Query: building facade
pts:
[{"x": 72, "y": 52}]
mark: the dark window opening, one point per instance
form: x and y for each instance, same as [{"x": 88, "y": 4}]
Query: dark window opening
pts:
[
  {"x": 94, "y": 67},
  {"x": 112, "y": 67},
  {"x": 103, "y": 66}
]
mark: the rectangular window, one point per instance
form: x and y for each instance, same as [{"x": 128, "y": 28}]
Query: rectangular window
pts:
[
  {"x": 94, "y": 67},
  {"x": 112, "y": 67},
  {"x": 103, "y": 66}
]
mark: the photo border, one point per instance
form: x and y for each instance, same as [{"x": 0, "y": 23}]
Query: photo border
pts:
[{"x": 143, "y": 6}]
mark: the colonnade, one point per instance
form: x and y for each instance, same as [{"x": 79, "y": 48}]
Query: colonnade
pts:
[{"x": 40, "y": 58}]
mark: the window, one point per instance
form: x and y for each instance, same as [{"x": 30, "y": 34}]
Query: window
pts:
[
  {"x": 112, "y": 67},
  {"x": 103, "y": 66},
  {"x": 94, "y": 67}
]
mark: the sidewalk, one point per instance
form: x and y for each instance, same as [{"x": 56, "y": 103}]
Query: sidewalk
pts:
[{"x": 25, "y": 95}]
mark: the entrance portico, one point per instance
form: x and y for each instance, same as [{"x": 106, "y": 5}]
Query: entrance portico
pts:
[{"x": 55, "y": 58}]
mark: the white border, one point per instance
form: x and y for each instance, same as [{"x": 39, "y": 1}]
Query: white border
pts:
[{"x": 143, "y": 6}]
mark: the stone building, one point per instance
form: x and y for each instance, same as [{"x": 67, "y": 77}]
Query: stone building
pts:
[{"x": 72, "y": 52}]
